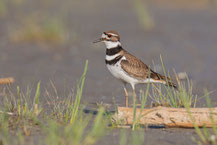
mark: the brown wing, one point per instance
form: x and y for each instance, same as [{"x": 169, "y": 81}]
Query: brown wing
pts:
[{"x": 134, "y": 67}]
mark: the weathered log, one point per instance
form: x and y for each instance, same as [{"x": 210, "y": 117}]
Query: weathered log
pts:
[
  {"x": 6, "y": 80},
  {"x": 169, "y": 117}
]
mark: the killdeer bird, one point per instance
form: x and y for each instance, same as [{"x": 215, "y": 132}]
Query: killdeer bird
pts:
[{"x": 126, "y": 67}]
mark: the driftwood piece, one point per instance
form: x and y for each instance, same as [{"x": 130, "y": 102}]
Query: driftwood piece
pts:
[
  {"x": 169, "y": 117},
  {"x": 6, "y": 80}
]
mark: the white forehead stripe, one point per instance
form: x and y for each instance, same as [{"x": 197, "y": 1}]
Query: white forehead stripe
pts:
[{"x": 113, "y": 34}]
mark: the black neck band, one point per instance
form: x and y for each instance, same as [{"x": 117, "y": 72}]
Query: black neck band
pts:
[
  {"x": 113, "y": 51},
  {"x": 113, "y": 61}
]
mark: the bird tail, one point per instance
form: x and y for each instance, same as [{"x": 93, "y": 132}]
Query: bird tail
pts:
[
  {"x": 168, "y": 81},
  {"x": 163, "y": 79}
]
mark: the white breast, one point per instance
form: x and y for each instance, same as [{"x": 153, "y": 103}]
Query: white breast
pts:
[{"x": 119, "y": 73}]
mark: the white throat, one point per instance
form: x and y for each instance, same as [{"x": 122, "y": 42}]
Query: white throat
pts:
[{"x": 110, "y": 44}]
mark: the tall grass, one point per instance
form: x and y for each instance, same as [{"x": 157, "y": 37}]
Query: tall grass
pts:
[
  {"x": 4, "y": 128},
  {"x": 66, "y": 109},
  {"x": 70, "y": 127},
  {"x": 76, "y": 134},
  {"x": 20, "y": 104},
  {"x": 206, "y": 136},
  {"x": 74, "y": 130},
  {"x": 78, "y": 95},
  {"x": 171, "y": 97},
  {"x": 37, "y": 110}
]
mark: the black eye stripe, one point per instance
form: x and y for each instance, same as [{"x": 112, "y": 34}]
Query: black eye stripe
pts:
[{"x": 109, "y": 35}]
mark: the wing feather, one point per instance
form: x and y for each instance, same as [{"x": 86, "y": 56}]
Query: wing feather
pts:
[{"x": 134, "y": 66}]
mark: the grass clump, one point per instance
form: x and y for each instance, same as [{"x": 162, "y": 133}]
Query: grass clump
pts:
[
  {"x": 4, "y": 128},
  {"x": 172, "y": 97},
  {"x": 66, "y": 125},
  {"x": 20, "y": 104},
  {"x": 67, "y": 109},
  {"x": 76, "y": 134},
  {"x": 19, "y": 115},
  {"x": 206, "y": 136},
  {"x": 73, "y": 129}
]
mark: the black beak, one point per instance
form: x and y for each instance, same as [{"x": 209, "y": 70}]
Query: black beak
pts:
[{"x": 98, "y": 40}]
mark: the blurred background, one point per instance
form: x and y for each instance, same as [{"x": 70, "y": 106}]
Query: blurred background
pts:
[{"x": 51, "y": 39}]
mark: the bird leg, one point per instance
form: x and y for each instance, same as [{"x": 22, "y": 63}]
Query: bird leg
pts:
[
  {"x": 126, "y": 95},
  {"x": 134, "y": 93}
]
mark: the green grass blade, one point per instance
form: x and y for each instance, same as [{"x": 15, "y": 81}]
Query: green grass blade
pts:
[{"x": 79, "y": 94}]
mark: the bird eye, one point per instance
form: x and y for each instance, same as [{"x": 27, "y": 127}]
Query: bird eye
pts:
[{"x": 109, "y": 35}]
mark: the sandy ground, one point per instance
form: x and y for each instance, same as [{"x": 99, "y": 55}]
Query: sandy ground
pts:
[{"x": 185, "y": 34}]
